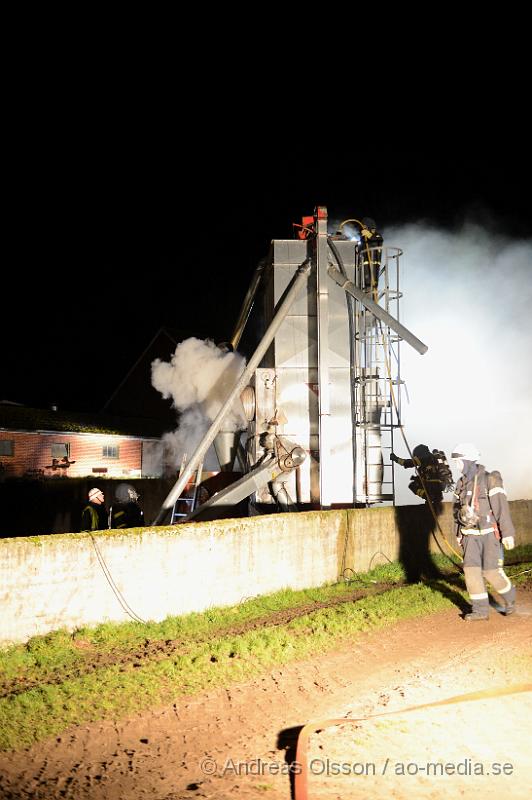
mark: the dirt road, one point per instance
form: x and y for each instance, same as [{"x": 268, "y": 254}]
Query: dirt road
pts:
[{"x": 238, "y": 742}]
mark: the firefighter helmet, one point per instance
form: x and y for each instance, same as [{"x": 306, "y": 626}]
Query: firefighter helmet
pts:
[
  {"x": 421, "y": 451},
  {"x": 467, "y": 451},
  {"x": 125, "y": 493}
]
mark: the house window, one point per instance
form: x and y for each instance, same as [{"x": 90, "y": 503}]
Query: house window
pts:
[
  {"x": 7, "y": 447},
  {"x": 111, "y": 451},
  {"x": 61, "y": 450}
]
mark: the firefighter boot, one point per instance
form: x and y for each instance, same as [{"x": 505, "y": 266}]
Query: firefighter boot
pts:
[
  {"x": 475, "y": 616},
  {"x": 503, "y": 586},
  {"x": 509, "y": 597}
]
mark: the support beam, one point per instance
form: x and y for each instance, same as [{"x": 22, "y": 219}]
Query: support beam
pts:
[{"x": 376, "y": 310}]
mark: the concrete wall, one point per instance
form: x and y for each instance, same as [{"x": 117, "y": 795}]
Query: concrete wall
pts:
[{"x": 51, "y": 582}]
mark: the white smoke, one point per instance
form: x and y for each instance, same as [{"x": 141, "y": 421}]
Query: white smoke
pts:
[
  {"x": 183, "y": 441},
  {"x": 198, "y": 379},
  {"x": 468, "y": 296}
]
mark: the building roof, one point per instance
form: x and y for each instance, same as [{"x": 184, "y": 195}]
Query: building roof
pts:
[
  {"x": 22, "y": 418},
  {"x": 135, "y": 396}
]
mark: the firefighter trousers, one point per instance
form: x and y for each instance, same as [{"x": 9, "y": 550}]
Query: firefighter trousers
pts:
[{"x": 483, "y": 562}]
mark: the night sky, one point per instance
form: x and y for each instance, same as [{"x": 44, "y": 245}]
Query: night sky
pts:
[{"x": 107, "y": 243}]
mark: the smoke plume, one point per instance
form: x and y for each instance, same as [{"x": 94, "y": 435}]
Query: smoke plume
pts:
[
  {"x": 468, "y": 296},
  {"x": 198, "y": 379}
]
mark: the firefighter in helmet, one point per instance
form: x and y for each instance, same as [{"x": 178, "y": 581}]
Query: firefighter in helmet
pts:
[
  {"x": 126, "y": 511},
  {"x": 370, "y": 253},
  {"x": 483, "y": 518},
  {"x": 94, "y": 515},
  {"x": 433, "y": 476}
]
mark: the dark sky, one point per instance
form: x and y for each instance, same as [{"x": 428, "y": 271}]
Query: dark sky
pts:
[{"x": 107, "y": 242}]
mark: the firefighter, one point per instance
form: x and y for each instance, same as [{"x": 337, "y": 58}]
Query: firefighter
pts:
[
  {"x": 432, "y": 473},
  {"x": 370, "y": 253},
  {"x": 94, "y": 515},
  {"x": 126, "y": 511},
  {"x": 482, "y": 514}
]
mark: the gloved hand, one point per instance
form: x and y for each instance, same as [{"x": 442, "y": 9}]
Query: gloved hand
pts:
[
  {"x": 508, "y": 543},
  {"x": 393, "y": 457}
]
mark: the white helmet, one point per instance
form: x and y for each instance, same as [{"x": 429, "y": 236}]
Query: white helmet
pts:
[{"x": 467, "y": 451}]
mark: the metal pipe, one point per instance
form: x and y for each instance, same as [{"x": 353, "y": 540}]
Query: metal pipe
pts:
[
  {"x": 247, "y": 305},
  {"x": 253, "y": 481},
  {"x": 376, "y": 310},
  {"x": 266, "y": 472},
  {"x": 326, "y": 471},
  {"x": 254, "y": 362}
]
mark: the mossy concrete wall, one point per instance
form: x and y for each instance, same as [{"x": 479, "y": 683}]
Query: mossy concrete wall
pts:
[{"x": 71, "y": 580}]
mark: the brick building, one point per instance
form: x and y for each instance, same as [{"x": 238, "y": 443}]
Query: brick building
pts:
[
  {"x": 46, "y": 443},
  {"x": 124, "y": 440}
]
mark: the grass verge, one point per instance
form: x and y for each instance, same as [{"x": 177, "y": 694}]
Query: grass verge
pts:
[{"x": 214, "y": 654}]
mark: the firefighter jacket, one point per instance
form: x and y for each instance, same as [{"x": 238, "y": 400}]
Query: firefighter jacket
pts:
[
  {"x": 94, "y": 517},
  {"x": 486, "y": 497},
  {"x": 430, "y": 470},
  {"x": 126, "y": 515}
]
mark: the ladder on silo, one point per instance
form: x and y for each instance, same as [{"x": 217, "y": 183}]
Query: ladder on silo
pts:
[
  {"x": 377, "y": 373},
  {"x": 188, "y": 502}
]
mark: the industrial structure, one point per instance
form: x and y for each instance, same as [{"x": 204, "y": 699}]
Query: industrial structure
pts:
[{"x": 320, "y": 391}]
